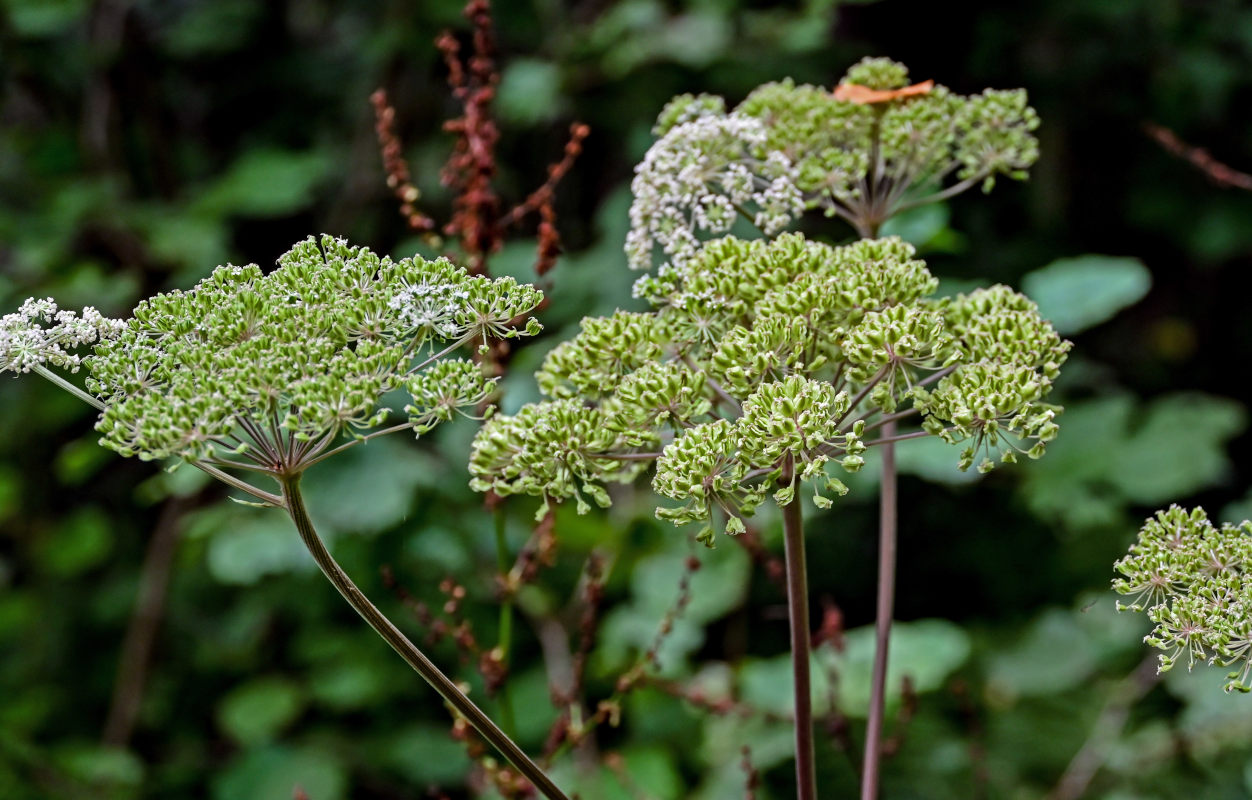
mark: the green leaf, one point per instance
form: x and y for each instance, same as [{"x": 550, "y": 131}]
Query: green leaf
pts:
[
  {"x": 10, "y": 490},
  {"x": 247, "y": 545},
  {"x": 426, "y": 755},
  {"x": 935, "y": 460},
  {"x": 1102, "y": 461},
  {"x": 81, "y": 542},
  {"x": 718, "y": 587},
  {"x": 259, "y": 710},
  {"x": 371, "y": 486},
  {"x": 920, "y": 226},
  {"x": 1179, "y": 449},
  {"x": 1078, "y": 293},
  {"x": 530, "y": 92},
  {"x": 927, "y": 650},
  {"x": 1054, "y": 654},
  {"x": 274, "y": 772},
  {"x": 101, "y": 767},
  {"x": 35, "y": 18},
  {"x": 266, "y": 183}
]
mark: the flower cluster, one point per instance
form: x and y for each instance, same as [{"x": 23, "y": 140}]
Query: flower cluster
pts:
[
  {"x": 40, "y": 334},
  {"x": 264, "y": 372},
  {"x": 1190, "y": 576},
  {"x": 861, "y": 155},
  {"x": 767, "y": 363}
]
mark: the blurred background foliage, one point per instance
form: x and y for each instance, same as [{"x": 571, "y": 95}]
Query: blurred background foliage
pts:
[{"x": 142, "y": 143}]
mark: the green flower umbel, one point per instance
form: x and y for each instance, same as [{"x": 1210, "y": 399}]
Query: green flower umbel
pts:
[
  {"x": 768, "y": 363},
  {"x": 787, "y": 148},
  {"x": 265, "y": 373},
  {"x": 1191, "y": 577}
]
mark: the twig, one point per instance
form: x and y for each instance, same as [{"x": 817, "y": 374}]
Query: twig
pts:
[
  {"x": 1199, "y": 158},
  {"x": 413, "y": 656},
  {"x": 1108, "y": 726},
  {"x": 801, "y": 648},
  {"x": 883, "y": 613},
  {"x": 145, "y": 622}
]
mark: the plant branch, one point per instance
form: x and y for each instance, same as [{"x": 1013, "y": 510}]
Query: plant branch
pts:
[
  {"x": 886, "y": 440},
  {"x": 882, "y": 628},
  {"x": 1108, "y": 726},
  {"x": 861, "y": 395},
  {"x": 505, "y": 644},
  {"x": 951, "y": 191},
  {"x": 145, "y": 622},
  {"x": 878, "y": 423},
  {"x": 412, "y": 655},
  {"x": 801, "y": 645},
  {"x": 242, "y": 485},
  {"x": 355, "y": 441}
]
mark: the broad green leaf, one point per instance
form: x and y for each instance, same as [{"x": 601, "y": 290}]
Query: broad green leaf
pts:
[
  {"x": 1104, "y": 459},
  {"x": 935, "y": 460},
  {"x": 530, "y": 92},
  {"x": 10, "y": 490},
  {"x": 1053, "y": 655},
  {"x": 717, "y": 587},
  {"x": 1078, "y": 293},
  {"x": 927, "y": 651},
  {"x": 258, "y": 711},
  {"x": 81, "y": 542},
  {"x": 246, "y": 545},
  {"x": 36, "y": 18},
  {"x": 266, "y": 183},
  {"x": 1211, "y": 720},
  {"x": 101, "y": 767},
  {"x": 919, "y": 226},
  {"x": 370, "y": 487},
  {"x": 426, "y": 755},
  {"x": 1179, "y": 449},
  {"x": 273, "y": 773}
]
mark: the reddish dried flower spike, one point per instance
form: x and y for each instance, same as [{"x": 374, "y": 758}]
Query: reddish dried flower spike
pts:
[{"x": 399, "y": 179}]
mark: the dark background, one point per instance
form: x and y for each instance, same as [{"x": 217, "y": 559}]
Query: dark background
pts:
[{"x": 143, "y": 143}]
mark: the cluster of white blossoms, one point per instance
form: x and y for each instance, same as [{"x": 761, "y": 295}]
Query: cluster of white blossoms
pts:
[
  {"x": 39, "y": 334},
  {"x": 698, "y": 178}
]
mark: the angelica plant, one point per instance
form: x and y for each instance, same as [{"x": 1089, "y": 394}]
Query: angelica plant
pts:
[
  {"x": 1189, "y": 576},
  {"x": 872, "y": 147},
  {"x": 770, "y": 369},
  {"x": 256, "y": 377}
]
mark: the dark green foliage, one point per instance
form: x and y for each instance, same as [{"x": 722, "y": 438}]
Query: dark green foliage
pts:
[{"x": 142, "y": 144}]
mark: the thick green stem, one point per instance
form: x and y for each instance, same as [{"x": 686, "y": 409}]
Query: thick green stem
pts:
[
  {"x": 415, "y": 658},
  {"x": 882, "y": 631},
  {"x": 801, "y": 647}
]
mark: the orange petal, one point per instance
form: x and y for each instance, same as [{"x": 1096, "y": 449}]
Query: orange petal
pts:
[{"x": 856, "y": 93}]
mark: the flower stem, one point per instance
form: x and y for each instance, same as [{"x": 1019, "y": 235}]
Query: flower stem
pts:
[
  {"x": 801, "y": 646},
  {"x": 885, "y": 608},
  {"x": 415, "y": 658},
  {"x": 44, "y": 372},
  {"x": 506, "y": 620}
]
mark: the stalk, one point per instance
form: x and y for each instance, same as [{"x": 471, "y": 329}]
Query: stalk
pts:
[
  {"x": 801, "y": 646},
  {"x": 412, "y": 655},
  {"x": 506, "y": 620},
  {"x": 887, "y": 519}
]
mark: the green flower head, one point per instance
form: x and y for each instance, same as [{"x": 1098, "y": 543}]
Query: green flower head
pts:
[
  {"x": 769, "y": 363},
  {"x": 272, "y": 368},
  {"x": 1190, "y": 577}
]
